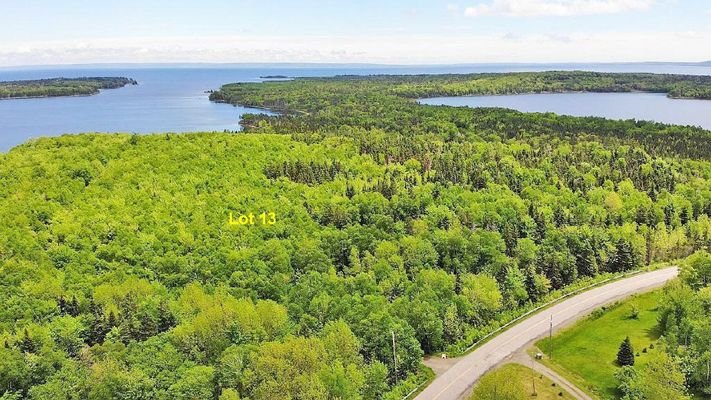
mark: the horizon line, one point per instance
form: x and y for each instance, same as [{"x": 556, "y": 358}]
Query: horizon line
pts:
[{"x": 341, "y": 64}]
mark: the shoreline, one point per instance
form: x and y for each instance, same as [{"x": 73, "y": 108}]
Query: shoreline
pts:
[
  {"x": 50, "y": 97},
  {"x": 11, "y": 86},
  {"x": 418, "y": 99}
]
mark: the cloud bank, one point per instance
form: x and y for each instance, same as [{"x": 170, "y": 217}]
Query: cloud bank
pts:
[
  {"x": 392, "y": 49},
  {"x": 555, "y": 8}
]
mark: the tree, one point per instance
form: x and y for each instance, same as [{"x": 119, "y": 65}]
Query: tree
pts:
[
  {"x": 585, "y": 257},
  {"x": 310, "y": 257},
  {"x": 14, "y": 372},
  {"x": 229, "y": 394},
  {"x": 525, "y": 253},
  {"x": 451, "y": 324},
  {"x": 27, "y": 344},
  {"x": 11, "y": 396},
  {"x": 287, "y": 370},
  {"x": 341, "y": 344},
  {"x": 376, "y": 332},
  {"x": 482, "y": 296},
  {"x": 109, "y": 380},
  {"x": 625, "y": 258},
  {"x": 68, "y": 334},
  {"x": 273, "y": 317},
  {"x": 677, "y": 307},
  {"x": 660, "y": 378},
  {"x": 625, "y": 355},
  {"x": 701, "y": 375},
  {"x": 514, "y": 286},
  {"x": 231, "y": 366},
  {"x": 194, "y": 383},
  {"x": 376, "y": 381},
  {"x": 417, "y": 253},
  {"x": 166, "y": 319},
  {"x": 556, "y": 261},
  {"x": 72, "y": 307},
  {"x": 696, "y": 270},
  {"x": 537, "y": 285},
  {"x": 71, "y": 382},
  {"x": 342, "y": 382},
  {"x": 354, "y": 264},
  {"x": 628, "y": 383}
]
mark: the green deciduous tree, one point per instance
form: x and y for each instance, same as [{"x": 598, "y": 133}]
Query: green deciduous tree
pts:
[{"x": 696, "y": 270}]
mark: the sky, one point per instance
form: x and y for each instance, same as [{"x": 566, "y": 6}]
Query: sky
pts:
[{"x": 50, "y": 32}]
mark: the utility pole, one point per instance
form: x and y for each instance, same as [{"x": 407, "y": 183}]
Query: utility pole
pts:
[
  {"x": 533, "y": 377},
  {"x": 394, "y": 357},
  {"x": 550, "y": 339}
]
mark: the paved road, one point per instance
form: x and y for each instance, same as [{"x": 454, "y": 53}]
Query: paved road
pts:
[{"x": 454, "y": 383}]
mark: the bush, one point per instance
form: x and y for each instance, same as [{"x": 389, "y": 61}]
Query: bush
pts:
[{"x": 634, "y": 312}]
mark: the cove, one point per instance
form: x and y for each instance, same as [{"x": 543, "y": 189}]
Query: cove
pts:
[{"x": 641, "y": 106}]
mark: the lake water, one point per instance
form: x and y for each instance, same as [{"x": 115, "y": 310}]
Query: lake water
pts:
[
  {"x": 641, "y": 106},
  {"x": 173, "y": 99}
]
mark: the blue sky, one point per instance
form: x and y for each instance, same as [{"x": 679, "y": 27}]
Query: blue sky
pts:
[{"x": 412, "y": 31}]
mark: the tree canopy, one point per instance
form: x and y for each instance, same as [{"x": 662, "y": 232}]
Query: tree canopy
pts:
[{"x": 121, "y": 274}]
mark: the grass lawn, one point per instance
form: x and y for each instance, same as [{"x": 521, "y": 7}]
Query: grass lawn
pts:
[
  {"x": 586, "y": 352},
  {"x": 514, "y": 382}
]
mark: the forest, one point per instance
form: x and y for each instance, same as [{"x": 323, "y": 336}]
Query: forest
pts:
[
  {"x": 56, "y": 87},
  {"x": 121, "y": 277}
]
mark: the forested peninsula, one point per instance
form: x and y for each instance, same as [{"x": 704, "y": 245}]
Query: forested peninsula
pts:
[
  {"x": 416, "y": 86},
  {"x": 57, "y": 87},
  {"x": 400, "y": 230}
]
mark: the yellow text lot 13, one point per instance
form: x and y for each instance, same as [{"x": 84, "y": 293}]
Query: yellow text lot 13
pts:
[{"x": 265, "y": 218}]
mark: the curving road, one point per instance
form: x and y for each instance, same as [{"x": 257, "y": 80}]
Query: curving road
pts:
[{"x": 455, "y": 382}]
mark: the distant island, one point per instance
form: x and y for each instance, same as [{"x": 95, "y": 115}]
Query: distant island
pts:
[
  {"x": 275, "y": 77},
  {"x": 56, "y": 87}
]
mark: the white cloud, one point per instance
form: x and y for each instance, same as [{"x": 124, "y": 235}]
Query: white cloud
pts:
[
  {"x": 444, "y": 48},
  {"x": 556, "y": 8}
]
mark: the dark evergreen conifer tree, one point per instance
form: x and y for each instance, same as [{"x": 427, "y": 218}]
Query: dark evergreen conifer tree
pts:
[
  {"x": 27, "y": 344},
  {"x": 625, "y": 356}
]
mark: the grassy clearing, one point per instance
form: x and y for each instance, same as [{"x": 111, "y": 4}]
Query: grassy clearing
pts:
[
  {"x": 515, "y": 382},
  {"x": 586, "y": 352}
]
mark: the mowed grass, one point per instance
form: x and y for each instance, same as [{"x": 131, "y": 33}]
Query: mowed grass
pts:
[
  {"x": 586, "y": 353},
  {"x": 520, "y": 377}
]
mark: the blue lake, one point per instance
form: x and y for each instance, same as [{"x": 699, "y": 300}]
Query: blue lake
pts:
[
  {"x": 173, "y": 98},
  {"x": 640, "y": 106}
]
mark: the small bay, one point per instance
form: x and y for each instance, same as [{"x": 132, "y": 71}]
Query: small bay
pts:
[{"x": 640, "y": 106}]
